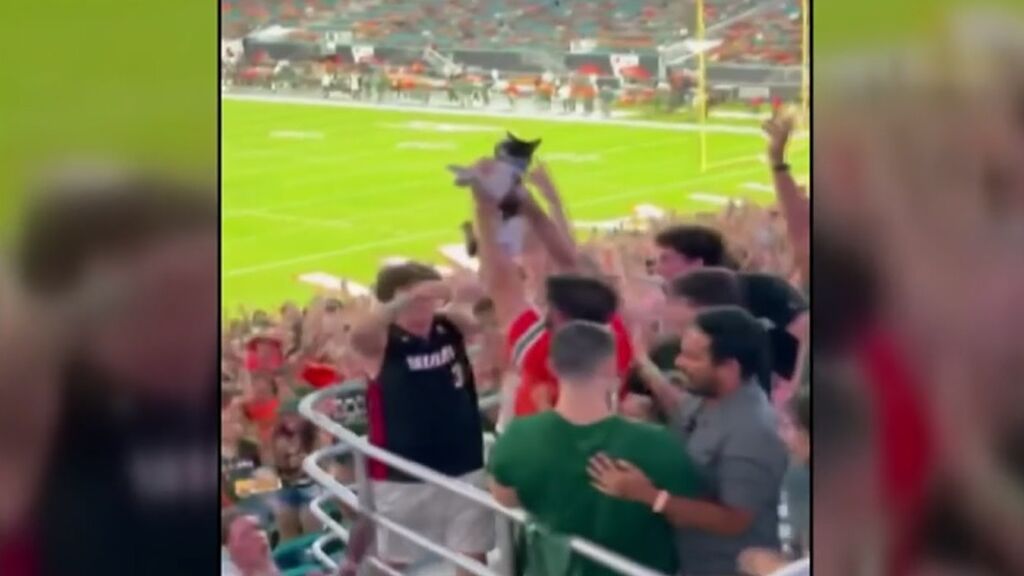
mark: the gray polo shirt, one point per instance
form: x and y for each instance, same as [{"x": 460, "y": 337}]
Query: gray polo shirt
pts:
[{"x": 736, "y": 444}]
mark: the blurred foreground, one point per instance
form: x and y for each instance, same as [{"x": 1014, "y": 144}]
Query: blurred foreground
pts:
[{"x": 918, "y": 267}]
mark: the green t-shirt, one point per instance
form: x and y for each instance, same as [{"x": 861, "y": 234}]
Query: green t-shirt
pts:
[{"x": 544, "y": 458}]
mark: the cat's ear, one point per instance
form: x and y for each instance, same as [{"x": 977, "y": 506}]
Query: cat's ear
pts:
[{"x": 531, "y": 145}]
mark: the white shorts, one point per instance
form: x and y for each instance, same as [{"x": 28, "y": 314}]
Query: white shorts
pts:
[{"x": 436, "y": 513}]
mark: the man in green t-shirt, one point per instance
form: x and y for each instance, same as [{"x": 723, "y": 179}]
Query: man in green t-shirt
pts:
[{"x": 540, "y": 462}]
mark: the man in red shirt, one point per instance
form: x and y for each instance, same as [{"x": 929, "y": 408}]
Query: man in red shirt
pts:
[{"x": 569, "y": 297}]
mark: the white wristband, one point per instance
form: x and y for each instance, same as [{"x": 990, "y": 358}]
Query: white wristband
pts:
[{"x": 660, "y": 502}]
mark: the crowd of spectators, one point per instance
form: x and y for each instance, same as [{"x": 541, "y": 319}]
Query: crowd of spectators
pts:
[
  {"x": 705, "y": 352},
  {"x": 773, "y": 37}
]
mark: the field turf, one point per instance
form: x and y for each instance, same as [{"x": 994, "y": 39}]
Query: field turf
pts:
[{"x": 312, "y": 188}]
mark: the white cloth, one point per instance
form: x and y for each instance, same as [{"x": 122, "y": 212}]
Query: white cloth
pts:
[
  {"x": 509, "y": 387},
  {"x": 436, "y": 513},
  {"x": 227, "y": 566}
]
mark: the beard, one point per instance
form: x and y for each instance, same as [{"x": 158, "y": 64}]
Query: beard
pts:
[{"x": 705, "y": 387}]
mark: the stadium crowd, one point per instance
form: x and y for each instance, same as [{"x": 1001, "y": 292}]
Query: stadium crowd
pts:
[
  {"x": 613, "y": 25},
  {"x": 654, "y": 371}
]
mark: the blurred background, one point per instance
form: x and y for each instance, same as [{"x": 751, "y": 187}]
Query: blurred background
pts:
[
  {"x": 917, "y": 271},
  {"x": 108, "y": 304},
  {"x": 108, "y": 160},
  {"x": 130, "y": 80}
]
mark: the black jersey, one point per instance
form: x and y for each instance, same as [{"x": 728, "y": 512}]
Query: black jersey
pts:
[{"x": 423, "y": 405}]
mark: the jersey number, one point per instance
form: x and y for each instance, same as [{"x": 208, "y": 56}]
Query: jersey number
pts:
[{"x": 458, "y": 376}]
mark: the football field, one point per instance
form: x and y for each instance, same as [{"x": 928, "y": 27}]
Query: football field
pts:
[{"x": 316, "y": 189}]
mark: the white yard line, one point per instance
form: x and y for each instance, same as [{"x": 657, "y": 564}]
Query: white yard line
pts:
[
  {"x": 265, "y": 215},
  {"x": 716, "y": 199},
  {"x": 457, "y": 254},
  {"x": 680, "y": 185},
  {"x": 756, "y": 158},
  {"x": 648, "y": 211},
  {"x": 511, "y": 114},
  {"x": 333, "y": 197},
  {"x": 758, "y": 187},
  {"x": 332, "y": 282},
  {"x": 351, "y": 249}
]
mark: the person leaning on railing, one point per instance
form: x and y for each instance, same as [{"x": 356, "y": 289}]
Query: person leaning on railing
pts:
[{"x": 558, "y": 443}]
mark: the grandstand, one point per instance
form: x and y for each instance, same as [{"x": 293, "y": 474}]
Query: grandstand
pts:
[
  {"x": 341, "y": 115},
  {"x": 610, "y": 25}
]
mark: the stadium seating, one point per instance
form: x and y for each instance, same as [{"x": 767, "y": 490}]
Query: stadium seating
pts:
[{"x": 544, "y": 24}]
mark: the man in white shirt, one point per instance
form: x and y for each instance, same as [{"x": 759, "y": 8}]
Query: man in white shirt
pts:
[{"x": 325, "y": 84}]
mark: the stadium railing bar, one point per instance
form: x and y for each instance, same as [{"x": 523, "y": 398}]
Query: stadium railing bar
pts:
[{"x": 362, "y": 500}]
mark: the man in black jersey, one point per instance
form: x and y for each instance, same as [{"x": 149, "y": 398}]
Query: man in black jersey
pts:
[
  {"x": 130, "y": 266},
  {"x": 422, "y": 405}
]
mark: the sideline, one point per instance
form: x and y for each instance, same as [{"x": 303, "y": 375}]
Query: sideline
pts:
[{"x": 507, "y": 114}]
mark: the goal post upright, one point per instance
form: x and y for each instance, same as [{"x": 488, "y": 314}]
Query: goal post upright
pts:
[
  {"x": 702, "y": 87},
  {"x": 805, "y": 60}
]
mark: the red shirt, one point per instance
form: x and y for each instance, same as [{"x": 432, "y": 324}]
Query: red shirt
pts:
[
  {"x": 907, "y": 443},
  {"x": 263, "y": 353},
  {"x": 529, "y": 342},
  {"x": 19, "y": 556},
  {"x": 320, "y": 375}
]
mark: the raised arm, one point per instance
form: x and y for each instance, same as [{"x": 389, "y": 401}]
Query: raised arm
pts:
[
  {"x": 668, "y": 397},
  {"x": 540, "y": 177},
  {"x": 369, "y": 335},
  {"x": 558, "y": 244},
  {"x": 792, "y": 199},
  {"x": 499, "y": 273}
]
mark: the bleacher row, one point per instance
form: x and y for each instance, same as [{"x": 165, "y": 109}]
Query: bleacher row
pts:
[{"x": 774, "y": 37}]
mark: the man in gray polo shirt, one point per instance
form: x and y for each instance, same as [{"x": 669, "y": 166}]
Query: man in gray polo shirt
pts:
[{"x": 730, "y": 429}]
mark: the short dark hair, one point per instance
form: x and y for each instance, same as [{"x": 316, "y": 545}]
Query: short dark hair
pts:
[
  {"x": 391, "y": 279},
  {"x": 694, "y": 242},
  {"x": 581, "y": 297},
  {"x": 579, "y": 348},
  {"x": 708, "y": 287},
  {"x": 735, "y": 335}
]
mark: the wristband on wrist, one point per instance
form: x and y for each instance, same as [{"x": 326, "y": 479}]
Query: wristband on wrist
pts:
[
  {"x": 660, "y": 502},
  {"x": 780, "y": 167}
]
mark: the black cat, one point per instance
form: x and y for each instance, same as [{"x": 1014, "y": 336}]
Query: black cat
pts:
[{"x": 519, "y": 154}]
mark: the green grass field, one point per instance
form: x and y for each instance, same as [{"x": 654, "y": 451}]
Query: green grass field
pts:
[{"x": 310, "y": 188}]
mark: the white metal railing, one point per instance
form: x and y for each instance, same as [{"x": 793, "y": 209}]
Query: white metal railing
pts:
[{"x": 362, "y": 501}]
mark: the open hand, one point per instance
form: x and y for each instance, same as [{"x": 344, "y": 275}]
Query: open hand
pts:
[
  {"x": 778, "y": 130},
  {"x": 620, "y": 479},
  {"x": 760, "y": 561}
]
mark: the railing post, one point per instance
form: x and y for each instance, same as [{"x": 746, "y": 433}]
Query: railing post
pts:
[
  {"x": 506, "y": 546},
  {"x": 366, "y": 505}
]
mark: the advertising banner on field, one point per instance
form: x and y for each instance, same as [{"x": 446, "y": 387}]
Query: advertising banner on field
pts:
[
  {"x": 620, "y": 61},
  {"x": 583, "y": 46},
  {"x": 231, "y": 50},
  {"x": 361, "y": 52}
]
